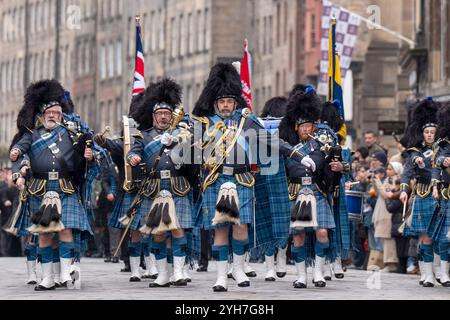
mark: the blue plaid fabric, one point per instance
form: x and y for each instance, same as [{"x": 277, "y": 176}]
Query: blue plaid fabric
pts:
[
  {"x": 440, "y": 223},
  {"x": 340, "y": 239},
  {"x": 24, "y": 221},
  {"x": 73, "y": 215},
  {"x": 123, "y": 203},
  {"x": 41, "y": 144},
  {"x": 422, "y": 213},
  {"x": 209, "y": 199},
  {"x": 272, "y": 208}
]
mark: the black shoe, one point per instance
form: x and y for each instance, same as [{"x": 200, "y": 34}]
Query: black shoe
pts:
[
  {"x": 230, "y": 276},
  {"x": 327, "y": 278},
  {"x": 438, "y": 280},
  {"x": 108, "y": 259},
  {"x": 42, "y": 288},
  {"x": 155, "y": 285},
  {"x": 115, "y": 260},
  {"x": 219, "y": 289},
  {"x": 32, "y": 282},
  {"x": 244, "y": 284},
  {"x": 202, "y": 268},
  {"x": 188, "y": 280},
  {"x": 299, "y": 285},
  {"x": 269, "y": 279},
  {"x": 320, "y": 284},
  {"x": 180, "y": 283},
  {"x": 445, "y": 284},
  {"x": 281, "y": 274},
  {"x": 251, "y": 274},
  {"x": 339, "y": 275},
  {"x": 428, "y": 285},
  {"x": 421, "y": 283},
  {"x": 59, "y": 285},
  {"x": 135, "y": 279}
]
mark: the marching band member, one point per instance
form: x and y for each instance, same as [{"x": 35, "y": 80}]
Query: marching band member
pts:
[
  {"x": 307, "y": 185},
  {"x": 422, "y": 133},
  {"x": 439, "y": 229},
  {"x": 228, "y": 185},
  {"x": 59, "y": 150}
]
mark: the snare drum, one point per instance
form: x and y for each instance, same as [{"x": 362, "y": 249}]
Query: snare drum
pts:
[{"x": 355, "y": 204}]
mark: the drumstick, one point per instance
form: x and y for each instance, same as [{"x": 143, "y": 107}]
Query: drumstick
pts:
[{"x": 353, "y": 183}]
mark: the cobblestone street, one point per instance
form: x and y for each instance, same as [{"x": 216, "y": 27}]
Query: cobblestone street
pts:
[{"x": 105, "y": 281}]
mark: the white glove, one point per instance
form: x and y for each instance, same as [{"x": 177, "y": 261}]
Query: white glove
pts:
[
  {"x": 167, "y": 139},
  {"x": 308, "y": 162}
]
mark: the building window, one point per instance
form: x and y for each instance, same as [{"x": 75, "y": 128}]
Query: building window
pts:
[
  {"x": 131, "y": 40},
  {"x": 181, "y": 37},
  {"x": 111, "y": 60},
  {"x": 190, "y": 34},
  {"x": 102, "y": 63},
  {"x": 270, "y": 35},
  {"x": 278, "y": 24},
  {"x": 207, "y": 30},
  {"x": 200, "y": 31},
  {"x": 153, "y": 31},
  {"x": 145, "y": 32},
  {"x": 313, "y": 31},
  {"x": 119, "y": 58},
  {"x": 173, "y": 36},
  {"x": 285, "y": 36},
  {"x": 265, "y": 36},
  {"x": 52, "y": 13},
  {"x": 161, "y": 30}
]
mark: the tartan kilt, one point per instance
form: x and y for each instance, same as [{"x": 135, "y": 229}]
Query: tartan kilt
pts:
[
  {"x": 121, "y": 207},
  {"x": 423, "y": 211},
  {"x": 325, "y": 219},
  {"x": 182, "y": 207},
  {"x": 340, "y": 239},
  {"x": 209, "y": 200},
  {"x": 440, "y": 224},
  {"x": 23, "y": 222},
  {"x": 73, "y": 215}
]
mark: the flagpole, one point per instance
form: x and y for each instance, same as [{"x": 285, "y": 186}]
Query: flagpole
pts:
[{"x": 385, "y": 29}]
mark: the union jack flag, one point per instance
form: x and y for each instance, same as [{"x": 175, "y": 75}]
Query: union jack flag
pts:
[{"x": 139, "y": 81}]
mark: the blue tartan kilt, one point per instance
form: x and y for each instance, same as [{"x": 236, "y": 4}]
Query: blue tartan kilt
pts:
[
  {"x": 73, "y": 215},
  {"x": 325, "y": 219},
  {"x": 123, "y": 203},
  {"x": 209, "y": 200},
  {"x": 182, "y": 207},
  {"x": 23, "y": 222},
  {"x": 422, "y": 213},
  {"x": 440, "y": 224}
]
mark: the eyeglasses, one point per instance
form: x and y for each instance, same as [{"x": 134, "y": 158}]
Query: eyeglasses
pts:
[
  {"x": 49, "y": 113},
  {"x": 163, "y": 113}
]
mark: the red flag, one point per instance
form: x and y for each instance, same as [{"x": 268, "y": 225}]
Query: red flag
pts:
[
  {"x": 245, "y": 76},
  {"x": 138, "y": 80}
]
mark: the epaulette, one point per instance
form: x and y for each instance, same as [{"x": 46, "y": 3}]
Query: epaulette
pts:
[
  {"x": 138, "y": 135},
  {"x": 412, "y": 149},
  {"x": 200, "y": 119}
]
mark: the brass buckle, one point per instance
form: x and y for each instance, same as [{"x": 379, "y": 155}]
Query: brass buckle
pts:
[
  {"x": 306, "y": 181},
  {"x": 228, "y": 171},
  {"x": 53, "y": 176},
  {"x": 165, "y": 174}
]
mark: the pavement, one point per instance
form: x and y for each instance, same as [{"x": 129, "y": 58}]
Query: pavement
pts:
[{"x": 104, "y": 281}]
